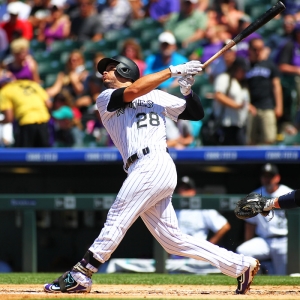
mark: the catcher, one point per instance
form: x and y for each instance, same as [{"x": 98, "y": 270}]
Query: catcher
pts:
[{"x": 254, "y": 204}]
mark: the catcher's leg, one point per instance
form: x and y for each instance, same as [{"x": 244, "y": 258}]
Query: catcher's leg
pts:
[
  {"x": 278, "y": 252},
  {"x": 256, "y": 247}
]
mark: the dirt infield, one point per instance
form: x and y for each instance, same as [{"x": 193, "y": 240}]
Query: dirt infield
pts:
[{"x": 14, "y": 292}]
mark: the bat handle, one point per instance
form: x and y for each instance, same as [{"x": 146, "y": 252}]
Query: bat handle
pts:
[{"x": 219, "y": 53}]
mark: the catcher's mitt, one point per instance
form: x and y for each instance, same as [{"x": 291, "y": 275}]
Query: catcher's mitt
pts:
[{"x": 250, "y": 206}]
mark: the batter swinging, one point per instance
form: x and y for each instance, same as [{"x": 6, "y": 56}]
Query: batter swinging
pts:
[{"x": 133, "y": 111}]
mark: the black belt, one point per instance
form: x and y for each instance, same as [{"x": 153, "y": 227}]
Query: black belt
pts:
[{"x": 134, "y": 157}]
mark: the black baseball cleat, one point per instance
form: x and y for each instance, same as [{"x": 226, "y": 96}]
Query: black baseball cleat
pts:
[
  {"x": 245, "y": 280},
  {"x": 66, "y": 284}
]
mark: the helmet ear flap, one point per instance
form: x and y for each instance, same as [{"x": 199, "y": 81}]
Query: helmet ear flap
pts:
[{"x": 123, "y": 70}]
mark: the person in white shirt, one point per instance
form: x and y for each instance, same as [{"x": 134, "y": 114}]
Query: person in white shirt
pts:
[
  {"x": 231, "y": 102},
  {"x": 265, "y": 238},
  {"x": 200, "y": 222}
]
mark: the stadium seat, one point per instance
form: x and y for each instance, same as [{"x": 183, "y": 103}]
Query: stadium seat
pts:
[
  {"x": 88, "y": 55},
  {"x": 64, "y": 56},
  {"x": 192, "y": 47},
  {"x": 43, "y": 56},
  {"x": 37, "y": 46},
  {"x": 50, "y": 67},
  {"x": 206, "y": 92},
  {"x": 49, "y": 80},
  {"x": 66, "y": 45},
  {"x": 271, "y": 27},
  {"x": 257, "y": 10},
  {"x": 100, "y": 46},
  {"x": 249, "y": 4},
  {"x": 148, "y": 36},
  {"x": 118, "y": 35},
  {"x": 154, "y": 46},
  {"x": 139, "y": 25},
  {"x": 89, "y": 65}
]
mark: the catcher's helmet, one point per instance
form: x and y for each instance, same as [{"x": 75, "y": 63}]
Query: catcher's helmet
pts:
[{"x": 126, "y": 67}]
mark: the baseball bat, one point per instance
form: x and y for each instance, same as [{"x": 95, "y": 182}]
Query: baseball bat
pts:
[{"x": 259, "y": 22}]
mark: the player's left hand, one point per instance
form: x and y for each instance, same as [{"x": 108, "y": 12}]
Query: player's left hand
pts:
[
  {"x": 186, "y": 83},
  {"x": 251, "y": 205},
  {"x": 192, "y": 67}
]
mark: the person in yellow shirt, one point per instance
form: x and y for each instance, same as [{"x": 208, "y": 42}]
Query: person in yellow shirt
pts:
[{"x": 28, "y": 103}]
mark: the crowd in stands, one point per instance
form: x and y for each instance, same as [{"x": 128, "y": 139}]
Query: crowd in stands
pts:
[{"x": 50, "y": 49}]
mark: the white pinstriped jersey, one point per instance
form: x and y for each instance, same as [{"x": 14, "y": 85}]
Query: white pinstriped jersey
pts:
[
  {"x": 277, "y": 226},
  {"x": 148, "y": 189},
  {"x": 143, "y": 120}
]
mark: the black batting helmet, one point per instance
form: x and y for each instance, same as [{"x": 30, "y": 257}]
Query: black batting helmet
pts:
[{"x": 125, "y": 67}]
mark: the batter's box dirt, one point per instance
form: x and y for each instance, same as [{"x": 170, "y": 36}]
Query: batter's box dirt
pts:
[{"x": 14, "y": 292}]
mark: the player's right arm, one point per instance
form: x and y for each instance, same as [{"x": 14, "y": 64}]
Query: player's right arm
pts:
[
  {"x": 147, "y": 83},
  {"x": 119, "y": 97}
]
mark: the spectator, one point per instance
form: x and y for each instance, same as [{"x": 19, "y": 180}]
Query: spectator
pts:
[
  {"x": 232, "y": 102},
  {"x": 265, "y": 94},
  {"x": 137, "y": 9},
  {"x": 40, "y": 12},
  {"x": 203, "y": 5},
  {"x": 23, "y": 64},
  {"x": 93, "y": 86},
  {"x": 243, "y": 46},
  {"x": 289, "y": 65},
  {"x": 12, "y": 5},
  {"x": 200, "y": 223},
  {"x": 72, "y": 79},
  {"x": 276, "y": 41},
  {"x": 189, "y": 24},
  {"x": 14, "y": 26},
  {"x": 167, "y": 56},
  {"x": 115, "y": 15},
  {"x": 85, "y": 22},
  {"x": 132, "y": 49},
  {"x": 6, "y": 134},
  {"x": 56, "y": 27},
  {"x": 214, "y": 40},
  {"x": 26, "y": 102},
  {"x": 95, "y": 133},
  {"x": 6, "y": 130},
  {"x": 179, "y": 135},
  {"x": 293, "y": 8},
  {"x": 221, "y": 64},
  {"x": 4, "y": 46},
  {"x": 230, "y": 15},
  {"x": 270, "y": 242},
  {"x": 63, "y": 120},
  {"x": 213, "y": 17},
  {"x": 161, "y": 10}
]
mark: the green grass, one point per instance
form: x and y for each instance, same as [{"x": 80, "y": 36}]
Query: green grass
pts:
[{"x": 150, "y": 279}]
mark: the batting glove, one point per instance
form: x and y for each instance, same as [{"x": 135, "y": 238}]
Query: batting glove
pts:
[
  {"x": 186, "y": 83},
  {"x": 192, "y": 67}
]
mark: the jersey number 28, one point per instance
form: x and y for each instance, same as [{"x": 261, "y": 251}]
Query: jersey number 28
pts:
[{"x": 143, "y": 119}]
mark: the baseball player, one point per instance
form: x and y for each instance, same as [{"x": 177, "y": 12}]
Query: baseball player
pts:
[
  {"x": 199, "y": 222},
  {"x": 133, "y": 111},
  {"x": 271, "y": 235}
]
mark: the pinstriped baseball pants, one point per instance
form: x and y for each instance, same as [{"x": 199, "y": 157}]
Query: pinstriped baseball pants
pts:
[{"x": 147, "y": 193}]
